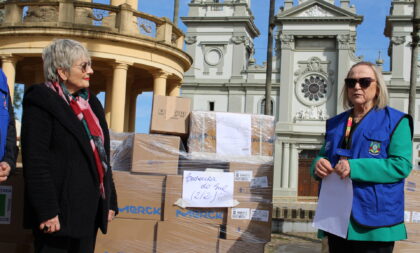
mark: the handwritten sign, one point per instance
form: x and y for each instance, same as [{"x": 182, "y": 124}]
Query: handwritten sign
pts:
[{"x": 207, "y": 189}]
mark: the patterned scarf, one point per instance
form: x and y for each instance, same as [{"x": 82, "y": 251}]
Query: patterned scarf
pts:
[{"x": 79, "y": 103}]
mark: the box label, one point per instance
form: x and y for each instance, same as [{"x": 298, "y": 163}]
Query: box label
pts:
[
  {"x": 200, "y": 214},
  {"x": 241, "y": 213},
  {"x": 146, "y": 210},
  {"x": 260, "y": 215},
  {"x": 5, "y": 204},
  {"x": 243, "y": 175},
  {"x": 415, "y": 217},
  {"x": 407, "y": 216},
  {"x": 259, "y": 182},
  {"x": 207, "y": 189}
]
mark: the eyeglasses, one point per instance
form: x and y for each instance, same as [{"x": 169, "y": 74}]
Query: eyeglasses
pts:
[
  {"x": 364, "y": 82},
  {"x": 84, "y": 66}
]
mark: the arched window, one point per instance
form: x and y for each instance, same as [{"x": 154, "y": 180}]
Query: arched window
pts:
[{"x": 262, "y": 108}]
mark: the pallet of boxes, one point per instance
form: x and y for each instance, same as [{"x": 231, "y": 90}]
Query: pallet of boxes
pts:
[
  {"x": 217, "y": 197},
  {"x": 411, "y": 215}
]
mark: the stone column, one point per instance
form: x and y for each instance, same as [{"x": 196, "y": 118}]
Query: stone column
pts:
[
  {"x": 132, "y": 116},
  {"x": 277, "y": 177},
  {"x": 285, "y": 166},
  {"x": 343, "y": 65},
  {"x": 119, "y": 86},
  {"x": 128, "y": 96},
  {"x": 9, "y": 69},
  {"x": 286, "y": 79},
  {"x": 108, "y": 100},
  {"x": 159, "y": 82},
  {"x": 294, "y": 167},
  {"x": 174, "y": 89}
]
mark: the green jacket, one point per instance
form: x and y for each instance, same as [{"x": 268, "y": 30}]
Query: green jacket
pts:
[{"x": 392, "y": 169}]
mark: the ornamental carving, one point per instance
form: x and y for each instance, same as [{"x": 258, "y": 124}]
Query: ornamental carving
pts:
[
  {"x": 398, "y": 40},
  {"x": 315, "y": 11},
  {"x": 238, "y": 39},
  {"x": 312, "y": 113},
  {"x": 41, "y": 14},
  {"x": 346, "y": 41},
  {"x": 314, "y": 64},
  {"x": 191, "y": 40},
  {"x": 287, "y": 41}
]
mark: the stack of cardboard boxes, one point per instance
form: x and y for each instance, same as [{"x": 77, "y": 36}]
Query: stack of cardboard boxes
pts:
[
  {"x": 150, "y": 187},
  {"x": 411, "y": 215}
]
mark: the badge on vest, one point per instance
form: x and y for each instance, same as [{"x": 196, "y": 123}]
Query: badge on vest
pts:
[{"x": 375, "y": 148}]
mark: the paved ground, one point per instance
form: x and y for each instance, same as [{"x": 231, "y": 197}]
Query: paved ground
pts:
[{"x": 294, "y": 243}]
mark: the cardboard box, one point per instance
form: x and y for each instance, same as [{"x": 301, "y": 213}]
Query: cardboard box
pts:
[
  {"x": 170, "y": 115},
  {"x": 139, "y": 196},
  {"x": 128, "y": 236},
  {"x": 249, "y": 221},
  {"x": 156, "y": 154},
  {"x": 203, "y": 132},
  {"x": 186, "y": 237},
  {"x": 412, "y": 190},
  {"x": 234, "y": 246},
  {"x": 253, "y": 181},
  {"x": 406, "y": 247},
  {"x": 173, "y": 212}
]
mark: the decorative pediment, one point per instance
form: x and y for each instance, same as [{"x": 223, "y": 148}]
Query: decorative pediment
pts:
[
  {"x": 315, "y": 11},
  {"x": 318, "y": 9}
]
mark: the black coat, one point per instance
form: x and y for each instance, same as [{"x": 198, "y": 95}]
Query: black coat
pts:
[{"x": 59, "y": 168}]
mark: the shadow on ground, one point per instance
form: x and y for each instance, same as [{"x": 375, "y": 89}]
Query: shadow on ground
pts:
[{"x": 294, "y": 243}]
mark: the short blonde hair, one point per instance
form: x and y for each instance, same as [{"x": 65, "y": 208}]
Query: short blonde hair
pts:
[{"x": 381, "y": 99}]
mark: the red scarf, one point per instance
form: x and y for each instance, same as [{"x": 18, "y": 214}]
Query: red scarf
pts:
[{"x": 81, "y": 108}]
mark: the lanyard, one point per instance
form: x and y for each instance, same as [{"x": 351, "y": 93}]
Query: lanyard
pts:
[{"x": 348, "y": 129}]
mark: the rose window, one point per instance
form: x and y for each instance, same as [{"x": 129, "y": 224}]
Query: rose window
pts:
[{"x": 314, "y": 87}]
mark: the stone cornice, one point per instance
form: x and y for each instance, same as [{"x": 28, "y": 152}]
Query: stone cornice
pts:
[{"x": 248, "y": 20}]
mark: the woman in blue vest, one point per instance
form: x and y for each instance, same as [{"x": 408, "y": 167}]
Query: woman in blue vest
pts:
[
  {"x": 8, "y": 148},
  {"x": 371, "y": 143}
]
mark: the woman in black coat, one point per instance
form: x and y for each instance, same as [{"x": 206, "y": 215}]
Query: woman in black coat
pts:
[{"x": 69, "y": 190}]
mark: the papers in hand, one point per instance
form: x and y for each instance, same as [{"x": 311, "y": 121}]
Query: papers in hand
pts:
[{"x": 334, "y": 205}]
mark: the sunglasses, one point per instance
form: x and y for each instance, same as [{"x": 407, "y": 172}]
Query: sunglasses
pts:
[
  {"x": 84, "y": 66},
  {"x": 364, "y": 82}
]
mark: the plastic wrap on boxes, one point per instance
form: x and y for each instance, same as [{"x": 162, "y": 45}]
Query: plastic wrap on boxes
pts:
[
  {"x": 121, "y": 150},
  {"x": 128, "y": 236},
  {"x": 153, "y": 179},
  {"x": 231, "y": 134}
]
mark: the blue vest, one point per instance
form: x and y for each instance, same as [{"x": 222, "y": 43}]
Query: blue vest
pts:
[
  {"x": 4, "y": 113},
  {"x": 374, "y": 204}
]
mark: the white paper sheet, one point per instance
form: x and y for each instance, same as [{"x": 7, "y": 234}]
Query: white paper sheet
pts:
[
  {"x": 233, "y": 134},
  {"x": 207, "y": 189},
  {"x": 334, "y": 205}
]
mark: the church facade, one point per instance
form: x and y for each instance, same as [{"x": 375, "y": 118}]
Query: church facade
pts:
[{"x": 315, "y": 43}]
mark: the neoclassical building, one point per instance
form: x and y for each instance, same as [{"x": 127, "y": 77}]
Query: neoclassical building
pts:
[
  {"x": 132, "y": 52},
  {"x": 315, "y": 45}
]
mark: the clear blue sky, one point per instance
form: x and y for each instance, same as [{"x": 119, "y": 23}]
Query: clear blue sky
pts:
[{"x": 370, "y": 38}]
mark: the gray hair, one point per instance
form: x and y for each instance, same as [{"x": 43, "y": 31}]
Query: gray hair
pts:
[
  {"x": 381, "y": 99},
  {"x": 61, "y": 53}
]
